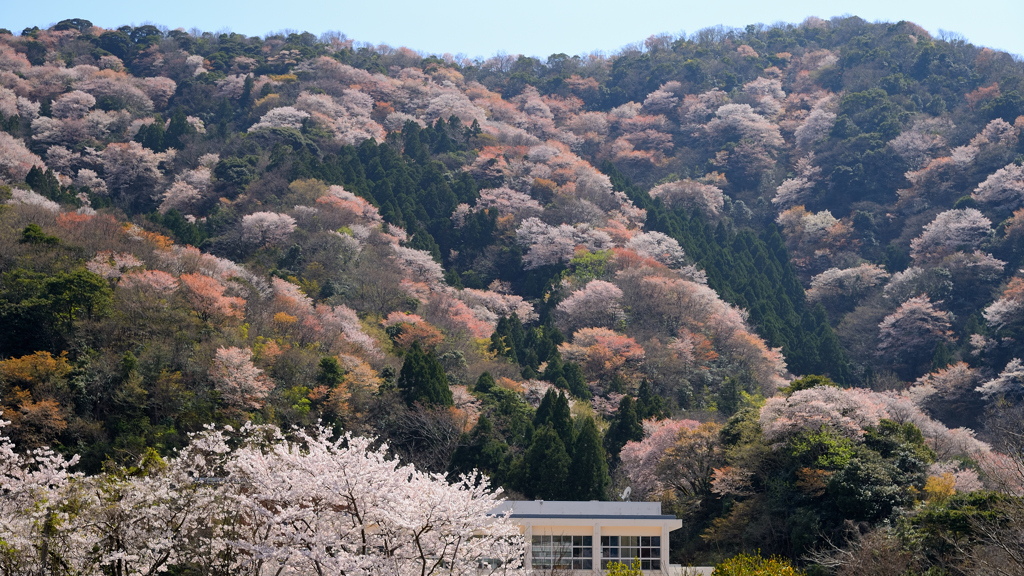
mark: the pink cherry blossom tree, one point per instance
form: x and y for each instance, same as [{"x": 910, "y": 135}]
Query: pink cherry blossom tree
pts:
[
  {"x": 913, "y": 330},
  {"x": 266, "y": 228},
  {"x": 596, "y": 304},
  {"x": 949, "y": 231},
  {"x": 240, "y": 383}
]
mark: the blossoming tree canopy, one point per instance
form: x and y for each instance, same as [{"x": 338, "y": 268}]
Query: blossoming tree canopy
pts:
[{"x": 236, "y": 501}]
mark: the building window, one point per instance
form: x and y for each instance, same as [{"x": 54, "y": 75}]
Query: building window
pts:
[
  {"x": 625, "y": 549},
  {"x": 572, "y": 552}
]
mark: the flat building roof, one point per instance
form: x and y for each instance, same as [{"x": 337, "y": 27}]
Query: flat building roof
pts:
[{"x": 587, "y": 509}]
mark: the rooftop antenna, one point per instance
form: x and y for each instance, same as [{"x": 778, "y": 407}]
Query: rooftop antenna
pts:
[{"x": 625, "y": 494}]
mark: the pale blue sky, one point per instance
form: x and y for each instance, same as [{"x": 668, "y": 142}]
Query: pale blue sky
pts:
[{"x": 532, "y": 27}]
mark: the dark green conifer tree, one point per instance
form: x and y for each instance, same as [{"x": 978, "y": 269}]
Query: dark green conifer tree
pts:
[
  {"x": 177, "y": 128},
  {"x": 329, "y": 372},
  {"x": 588, "y": 473},
  {"x": 649, "y": 404},
  {"x": 942, "y": 358},
  {"x": 481, "y": 449},
  {"x": 575, "y": 381},
  {"x": 546, "y": 466},
  {"x": 625, "y": 427},
  {"x": 485, "y": 383},
  {"x": 554, "y": 411},
  {"x": 423, "y": 380}
]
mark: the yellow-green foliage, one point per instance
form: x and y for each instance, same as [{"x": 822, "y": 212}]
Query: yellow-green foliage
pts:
[
  {"x": 755, "y": 565},
  {"x": 620, "y": 569}
]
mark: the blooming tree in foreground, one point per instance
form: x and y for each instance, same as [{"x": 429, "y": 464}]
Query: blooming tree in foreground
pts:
[
  {"x": 248, "y": 501},
  {"x": 340, "y": 507}
]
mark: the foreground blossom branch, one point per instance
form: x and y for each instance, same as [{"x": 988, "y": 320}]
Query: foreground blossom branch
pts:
[{"x": 241, "y": 502}]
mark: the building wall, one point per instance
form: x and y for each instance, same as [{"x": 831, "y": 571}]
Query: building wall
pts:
[{"x": 593, "y": 519}]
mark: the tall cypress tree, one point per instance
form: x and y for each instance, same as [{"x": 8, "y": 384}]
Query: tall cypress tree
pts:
[
  {"x": 543, "y": 414},
  {"x": 649, "y": 404},
  {"x": 575, "y": 381},
  {"x": 588, "y": 473},
  {"x": 423, "y": 380},
  {"x": 627, "y": 426},
  {"x": 485, "y": 383},
  {"x": 547, "y": 466},
  {"x": 554, "y": 411}
]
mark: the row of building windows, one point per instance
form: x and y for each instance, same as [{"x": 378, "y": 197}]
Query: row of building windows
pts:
[
  {"x": 567, "y": 552},
  {"x": 577, "y": 552},
  {"x": 626, "y": 549}
]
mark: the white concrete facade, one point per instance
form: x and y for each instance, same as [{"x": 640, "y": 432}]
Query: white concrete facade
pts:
[{"x": 584, "y": 536}]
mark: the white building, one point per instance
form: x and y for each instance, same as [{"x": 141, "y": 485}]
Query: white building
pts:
[{"x": 586, "y": 536}]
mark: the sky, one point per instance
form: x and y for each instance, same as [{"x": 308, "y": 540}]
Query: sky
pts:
[{"x": 532, "y": 27}]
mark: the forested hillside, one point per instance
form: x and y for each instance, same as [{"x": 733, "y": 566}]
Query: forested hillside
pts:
[{"x": 769, "y": 277}]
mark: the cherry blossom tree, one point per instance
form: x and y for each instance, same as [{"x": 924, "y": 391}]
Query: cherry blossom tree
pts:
[
  {"x": 159, "y": 89},
  {"x": 660, "y": 247},
  {"x": 796, "y": 190},
  {"x": 130, "y": 167},
  {"x": 61, "y": 160},
  {"x": 741, "y": 122},
  {"x": 507, "y": 201},
  {"x": 240, "y": 383},
  {"x": 157, "y": 281},
  {"x": 208, "y": 298},
  {"x": 8, "y": 103},
  {"x": 181, "y": 196},
  {"x": 960, "y": 479},
  {"x": 696, "y": 110},
  {"x": 945, "y": 394},
  {"x": 87, "y": 178},
  {"x": 35, "y": 485},
  {"x": 809, "y": 410},
  {"x": 842, "y": 288},
  {"x": 949, "y": 231},
  {"x": 118, "y": 93},
  {"x": 919, "y": 144},
  {"x": 73, "y": 105},
  {"x": 112, "y": 265},
  {"x": 283, "y": 117},
  {"x": 240, "y": 501},
  {"x": 30, "y": 198},
  {"x": 340, "y": 506},
  {"x": 913, "y": 330},
  {"x": 641, "y": 459},
  {"x": 1010, "y": 381},
  {"x": 349, "y": 207},
  {"x": 343, "y": 320},
  {"x": 596, "y": 304},
  {"x": 348, "y": 116},
  {"x": 499, "y": 304},
  {"x": 1007, "y": 309},
  {"x": 15, "y": 159},
  {"x": 266, "y": 228},
  {"x": 817, "y": 125},
  {"x": 555, "y": 245},
  {"x": 688, "y": 465},
  {"x": 1004, "y": 188},
  {"x": 419, "y": 264},
  {"x": 851, "y": 411},
  {"x": 691, "y": 194},
  {"x": 664, "y": 99},
  {"x": 768, "y": 94},
  {"x": 601, "y": 352}
]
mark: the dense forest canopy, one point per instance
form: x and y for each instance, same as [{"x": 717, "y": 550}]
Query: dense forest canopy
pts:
[{"x": 767, "y": 276}]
